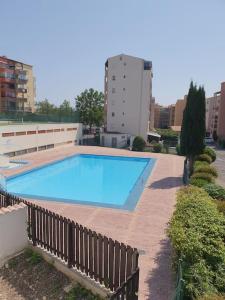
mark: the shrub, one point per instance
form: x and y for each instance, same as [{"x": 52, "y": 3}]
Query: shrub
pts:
[
  {"x": 215, "y": 191},
  {"x": 138, "y": 144},
  {"x": 206, "y": 169},
  {"x": 178, "y": 149},
  {"x": 204, "y": 157},
  {"x": 209, "y": 151},
  {"x": 166, "y": 148},
  {"x": 220, "y": 206},
  {"x": 157, "y": 148},
  {"x": 197, "y": 232},
  {"x": 198, "y": 163},
  {"x": 206, "y": 176},
  {"x": 198, "y": 182},
  {"x": 212, "y": 297}
]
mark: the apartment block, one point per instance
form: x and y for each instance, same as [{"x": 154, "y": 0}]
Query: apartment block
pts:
[
  {"x": 164, "y": 116},
  {"x": 221, "y": 115},
  {"x": 179, "y": 110},
  {"x": 171, "y": 114},
  {"x": 128, "y": 95},
  {"x": 17, "y": 86},
  {"x": 212, "y": 113}
]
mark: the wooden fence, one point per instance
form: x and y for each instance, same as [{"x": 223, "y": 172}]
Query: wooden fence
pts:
[{"x": 108, "y": 262}]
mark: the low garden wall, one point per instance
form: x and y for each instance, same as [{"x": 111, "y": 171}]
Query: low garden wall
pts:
[{"x": 13, "y": 230}]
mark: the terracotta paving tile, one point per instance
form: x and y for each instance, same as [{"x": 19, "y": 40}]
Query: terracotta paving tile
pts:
[{"x": 144, "y": 228}]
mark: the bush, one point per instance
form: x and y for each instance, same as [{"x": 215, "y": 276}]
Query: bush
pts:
[
  {"x": 198, "y": 182},
  {"x": 204, "y": 157},
  {"x": 215, "y": 191},
  {"x": 198, "y": 163},
  {"x": 138, "y": 144},
  {"x": 212, "y": 297},
  {"x": 205, "y": 176},
  {"x": 209, "y": 151},
  {"x": 206, "y": 169},
  {"x": 157, "y": 148},
  {"x": 220, "y": 206},
  {"x": 166, "y": 148},
  {"x": 197, "y": 233},
  {"x": 178, "y": 149}
]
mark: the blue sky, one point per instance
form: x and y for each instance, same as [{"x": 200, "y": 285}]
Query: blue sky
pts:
[{"x": 68, "y": 42}]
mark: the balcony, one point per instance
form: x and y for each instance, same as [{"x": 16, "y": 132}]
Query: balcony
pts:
[
  {"x": 21, "y": 90},
  {"x": 21, "y": 99}
]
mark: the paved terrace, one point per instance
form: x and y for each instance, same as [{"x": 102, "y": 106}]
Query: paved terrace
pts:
[{"x": 144, "y": 228}]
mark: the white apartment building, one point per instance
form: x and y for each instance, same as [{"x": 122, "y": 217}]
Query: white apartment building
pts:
[{"x": 128, "y": 95}]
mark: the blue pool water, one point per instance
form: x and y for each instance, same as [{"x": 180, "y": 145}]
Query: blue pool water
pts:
[{"x": 88, "y": 179}]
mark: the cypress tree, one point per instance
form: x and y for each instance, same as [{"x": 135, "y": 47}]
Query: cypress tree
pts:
[{"x": 193, "y": 125}]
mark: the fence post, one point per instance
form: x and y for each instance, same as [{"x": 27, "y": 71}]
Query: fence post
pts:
[
  {"x": 70, "y": 244},
  {"x": 33, "y": 225},
  {"x": 7, "y": 200}
]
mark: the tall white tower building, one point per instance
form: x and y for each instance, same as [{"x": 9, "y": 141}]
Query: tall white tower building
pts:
[{"x": 128, "y": 95}]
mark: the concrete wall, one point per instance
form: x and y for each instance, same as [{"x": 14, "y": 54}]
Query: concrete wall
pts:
[
  {"x": 106, "y": 139},
  {"x": 15, "y": 138},
  {"x": 13, "y": 230},
  {"x": 128, "y": 89}
]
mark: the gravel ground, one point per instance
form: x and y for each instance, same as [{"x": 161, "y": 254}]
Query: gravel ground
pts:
[{"x": 29, "y": 277}]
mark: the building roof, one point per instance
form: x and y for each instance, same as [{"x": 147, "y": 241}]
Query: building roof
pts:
[{"x": 16, "y": 61}]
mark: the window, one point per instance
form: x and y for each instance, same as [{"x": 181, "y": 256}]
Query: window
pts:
[
  {"x": 123, "y": 113},
  {"x": 124, "y": 63},
  {"x": 147, "y": 65},
  {"x": 124, "y": 76},
  {"x": 122, "y": 124},
  {"x": 113, "y": 77},
  {"x": 123, "y": 89},
  {"x": 113, "y": 114},
  {"x": 123, "y": 101},
  {"x": 113, "y": 90},
  {"x": 121, "y": 57}
]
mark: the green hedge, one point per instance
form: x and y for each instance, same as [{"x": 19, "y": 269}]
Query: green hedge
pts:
[
  {"x": 198, "y": 182},
  {"x": 197, "y": 233},
  {"x": 206, "y": 176},
  {"x": 215, "y": 191},
  {"x": 199, "y": 163},
  {"x": 204, "y": 157},
  {"x": 209, "y": 151},
  {"x": 157, "y": 148},
  {"x": 138, "y": 144},
  {"x": 206, "y": 169}
]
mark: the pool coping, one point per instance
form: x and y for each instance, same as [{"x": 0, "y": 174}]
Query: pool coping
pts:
[{"x": 132, "y": 199}]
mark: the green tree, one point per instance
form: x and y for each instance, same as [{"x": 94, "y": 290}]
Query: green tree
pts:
[
  {"x": 90, "y": 106},
  {"x": 193, "y": 125},
  {"x": 65, "y": 109},
  {"x": 45, "y": 107}
]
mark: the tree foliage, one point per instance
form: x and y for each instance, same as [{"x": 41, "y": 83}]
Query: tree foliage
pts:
[
  {"x": 45, "y": 107},
  {"x": 90, "y": 106},
  {"x": 193, "y": 125}
]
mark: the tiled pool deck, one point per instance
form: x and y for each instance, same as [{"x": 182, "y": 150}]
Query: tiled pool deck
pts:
[{"x": 143, "y": 228}]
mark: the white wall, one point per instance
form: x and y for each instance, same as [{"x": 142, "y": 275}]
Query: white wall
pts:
[
  {"x": 27, "y": 136},
  {"x": 106, "y": 139},
  {"x": 130, "y": 106},
  {"x": 13, "y": 230}
]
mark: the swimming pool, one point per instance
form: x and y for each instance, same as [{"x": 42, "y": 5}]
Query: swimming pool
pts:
[{"x": 108, "y": 181}]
